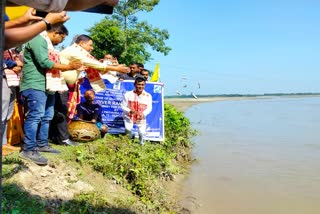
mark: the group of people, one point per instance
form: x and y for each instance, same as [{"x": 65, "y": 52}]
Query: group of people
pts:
[
  {"x": 45, "y": 91},
  {"x": 136, "y": 69}
]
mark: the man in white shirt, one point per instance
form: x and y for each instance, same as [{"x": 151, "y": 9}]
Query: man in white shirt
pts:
[
  {"x": 80, "y": 51},
  {"x": 136, "y": 105}
]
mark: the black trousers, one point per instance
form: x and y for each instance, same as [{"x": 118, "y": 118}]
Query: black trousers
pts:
[{"x": 58, "y": 131}]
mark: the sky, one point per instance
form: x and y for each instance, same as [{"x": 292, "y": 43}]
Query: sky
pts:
[{"x": 232, "y": 46}]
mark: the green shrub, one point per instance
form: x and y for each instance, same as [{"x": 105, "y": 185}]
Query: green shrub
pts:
[
  {"x": 177, "y": 128},
  {"x": 138, "y": 167}
]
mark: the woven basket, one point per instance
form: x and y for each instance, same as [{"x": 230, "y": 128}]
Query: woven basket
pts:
[{"x": 83, "y": 131}]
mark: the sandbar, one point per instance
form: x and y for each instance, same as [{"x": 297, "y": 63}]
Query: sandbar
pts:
[{"x": 182, "y": 104}]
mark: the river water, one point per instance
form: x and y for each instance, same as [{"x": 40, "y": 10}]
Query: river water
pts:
[{"x": 255, "y": 157}]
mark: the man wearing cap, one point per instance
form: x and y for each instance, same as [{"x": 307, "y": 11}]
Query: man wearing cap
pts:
[{"x": 136, "y": 105}]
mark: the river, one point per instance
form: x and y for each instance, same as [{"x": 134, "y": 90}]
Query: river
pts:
[{"x": 258, "y": 156}]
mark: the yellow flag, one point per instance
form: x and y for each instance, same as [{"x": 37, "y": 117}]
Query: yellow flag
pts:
[
  {"x": 156, "y": 74},
  {"x": 16, "y": 11}
]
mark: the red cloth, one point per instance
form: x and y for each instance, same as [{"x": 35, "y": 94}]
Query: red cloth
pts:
[
  {"x": 54, "y": 80},
  {"x": 74, "y": 100}
]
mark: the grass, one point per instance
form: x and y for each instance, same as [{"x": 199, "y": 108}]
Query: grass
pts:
[{"x": 127, "y": 177}]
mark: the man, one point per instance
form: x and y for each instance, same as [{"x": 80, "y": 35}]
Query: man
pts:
[
  {"x": 90, "y": 111},
  {"x": 111, "y": 76},
  {"x": 33, "y": 89},
  {"x": 134, "y": 71},
  {"x": 9, "y": 90},
  {"x": 140, "y": 66},
  {"x": 136, "y": 105},
  {"x": 145, "y": 73},
  {"x": 10, "y": 81},
  {"x": 58, "y": 131},
  {"x": 110, "y": 60},
  {"x": 80, "y": 50}
]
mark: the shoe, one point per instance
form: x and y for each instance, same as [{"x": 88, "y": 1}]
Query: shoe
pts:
[
  {"x": 47, "y": 149},
  {"x": 141, "y": 138},
  {"x": 132, "y": 136},
  {"x": 33, "y": 156},
  {"x": 69, "y": 143}
]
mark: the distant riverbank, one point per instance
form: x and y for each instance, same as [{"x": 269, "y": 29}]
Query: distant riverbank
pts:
[{"x": 182, "y": 104}]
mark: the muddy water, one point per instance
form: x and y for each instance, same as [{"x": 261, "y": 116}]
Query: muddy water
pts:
[{"x": 255, "y": 157}]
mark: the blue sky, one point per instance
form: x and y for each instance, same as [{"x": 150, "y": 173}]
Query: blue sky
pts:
[{"x": 227, "y": 47}]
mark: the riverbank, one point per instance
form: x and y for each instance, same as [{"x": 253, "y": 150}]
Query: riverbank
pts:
[
  {"x": 182, "y": 104},
  {"x": 110, "y": 175}
]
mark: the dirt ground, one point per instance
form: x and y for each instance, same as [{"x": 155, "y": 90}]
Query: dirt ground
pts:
[{"x": 58, "y": 182}]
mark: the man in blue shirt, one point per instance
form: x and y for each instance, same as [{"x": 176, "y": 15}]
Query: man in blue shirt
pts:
[{"x": 90, "y": 111}]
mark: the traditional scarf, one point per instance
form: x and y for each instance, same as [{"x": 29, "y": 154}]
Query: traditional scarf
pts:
[
  {"x": 137, "y": 106},
  {"x": 73, "y": 101},
  {"x": 54, "y": 80},
  {"x": 93, "y": 75}
]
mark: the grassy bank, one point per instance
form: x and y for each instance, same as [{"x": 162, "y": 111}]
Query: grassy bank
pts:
[{"x": 113, "y": 175}]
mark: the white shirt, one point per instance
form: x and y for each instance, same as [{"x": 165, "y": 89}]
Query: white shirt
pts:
[
  {"x": 141, "y": 103},
  {"x": 111, "y": 76},
  {"x": 74, "y": 53}
]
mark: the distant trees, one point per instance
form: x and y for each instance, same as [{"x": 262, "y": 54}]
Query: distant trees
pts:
[{"x": 123, "y": 36}]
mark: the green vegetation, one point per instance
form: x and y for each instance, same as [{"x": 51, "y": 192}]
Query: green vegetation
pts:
[
  {"x": 143, "y": 173},
  {"x": 127, "y": 38}
]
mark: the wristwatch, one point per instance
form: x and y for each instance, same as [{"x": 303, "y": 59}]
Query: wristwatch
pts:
[{"x": 48, "y": 24}]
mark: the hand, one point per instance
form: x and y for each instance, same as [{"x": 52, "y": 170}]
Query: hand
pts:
[
  {"x": 122, "y": 68},
  {"x": 55, "y": 18},
  {"x": 80, "y": 80},
  {"x": 132, "y": 111},
  {"x": 30, "y": 15},
  {"x": 17, "y": 69},
  {"x": 74, "y": 65},
  {"x": 140, "y": 116},
  {"x": 82, "y": 68},
  {"x": 18, "y": 61}
]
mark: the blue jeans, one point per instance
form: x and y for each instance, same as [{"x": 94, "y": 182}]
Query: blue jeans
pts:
[{"x": 39, "y": 114}]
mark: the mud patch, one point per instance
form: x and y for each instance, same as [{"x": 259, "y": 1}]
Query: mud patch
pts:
[{"x": 54, "y": 181}]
